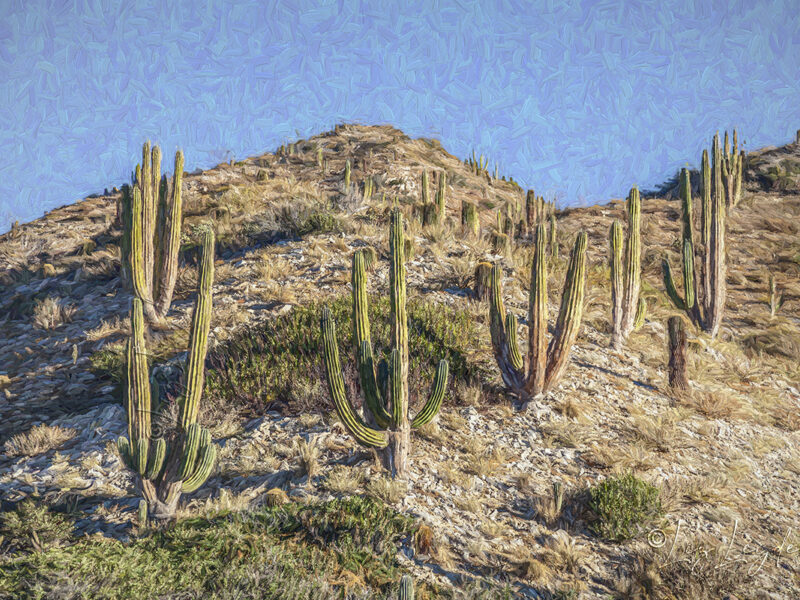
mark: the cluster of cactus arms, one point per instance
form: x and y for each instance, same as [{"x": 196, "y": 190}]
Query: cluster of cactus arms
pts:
[
  {"x": 537, "y": 210},
  {"x": 732, "y": 163},
  {"x": 546, "y": 362},
  {"x": 181, "y": 464},
  {"x": 151, "y": 232},
  {"x": 386, "y": 425},
  {"x": 469, "y": 218},
  {"x": 627, "y": 306},
  {"x": 477, "y": 165},
  {"x": 703, "y": 275},
  {"x": 369, "y": 188}
]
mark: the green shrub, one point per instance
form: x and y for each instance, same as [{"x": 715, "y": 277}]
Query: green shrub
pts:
[
  {"x": 622, "y": 506},
  {"x": 282, "y": 360},
  {"x": 34, "y": 527}
]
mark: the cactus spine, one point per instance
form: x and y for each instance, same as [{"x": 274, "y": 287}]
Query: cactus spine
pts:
[
  {"x": 151, "y": 221},
  {"x": 627, "y": 307},
  {"x": 388, "y": 408},
  {"x": 704, "y": 288},
  {"x": 164, "y": 473},
  {"x": 546, "y": 362}
]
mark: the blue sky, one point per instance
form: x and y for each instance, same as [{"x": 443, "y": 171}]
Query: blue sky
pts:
[{"x": 577, "y": 99}]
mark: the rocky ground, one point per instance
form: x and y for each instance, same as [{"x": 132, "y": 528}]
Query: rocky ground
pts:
[{"x": 726, "y": 458}]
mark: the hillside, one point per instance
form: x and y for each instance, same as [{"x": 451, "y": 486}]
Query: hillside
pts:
[{"x": 725, "y": 458}]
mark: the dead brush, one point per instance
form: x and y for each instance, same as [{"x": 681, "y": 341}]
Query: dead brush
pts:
[
  {"x": 307, "y": 454},
  {"x": 565, "y": 553},
  {"x": 52, "y": 312},
  {"x": 550, "y": 507},
  {"x": 714, "y": 405},
  {"x": 38, "y": 440}
]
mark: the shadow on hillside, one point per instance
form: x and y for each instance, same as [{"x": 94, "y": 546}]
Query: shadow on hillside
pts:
[{"x": 613, "y": 373}]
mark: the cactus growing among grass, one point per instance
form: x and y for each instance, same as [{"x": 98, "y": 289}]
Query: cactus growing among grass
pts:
[
  {"x": 627, "y": 307},
  {"x": 546, "y": 363},
  {"x": 406, "y": 588},
  {"x": 469, "y": 218},
  {"x": 168, "y": 467},
  {"x": 441, "y": 200},
  {"x": 388, "y": 408},
  {"x": 347, "y": 170},
  {"x": 151, "y": 223},
  {"x": 704, "y": 288}
]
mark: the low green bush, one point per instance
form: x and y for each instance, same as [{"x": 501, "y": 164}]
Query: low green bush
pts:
[{"x": 623, "y": 506}]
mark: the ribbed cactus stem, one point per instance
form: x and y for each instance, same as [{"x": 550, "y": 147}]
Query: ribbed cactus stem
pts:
[
  {"x": 201, "y": 322},
  {"x": 537, "y": 317},
  {"x": 469, "y": 218},
  {"x": 171, "y": 244},
  {"x": 441, "y": 200},
  {"x": 406, "y": 588},
  {"x": 137, "y": 389},
  {"x": 617, "y": 294},
  {"x": 553, "y": 238},
  {"x": 569, "y": 315},
  {"x": 425, "y": 189}
]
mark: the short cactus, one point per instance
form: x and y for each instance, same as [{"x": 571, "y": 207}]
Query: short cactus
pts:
[
  {"x": 483, "y": 281},
  {"x": 704, "y": 288},
  {"x": 390, "y": 426},
  {"x": 151, "y": 222},
  {"x": 469, "y": 218},
  {"x": 627, "y": 307},
  {"x": 347, "y": 170},
  {"x": 406, "y": 588},
  {"x": 165, "y": 468},
  {"x": 546, "y": 363},
  {"x": 441, "y": 199}
]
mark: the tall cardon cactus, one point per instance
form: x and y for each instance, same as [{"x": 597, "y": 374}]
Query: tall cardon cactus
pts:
[
  {"x": 627, "y": 307},
  {"x": 181, "y": 461},
  {"x": 546, "y": 363},
  {"x": 387, "y": 426},
  {"x": 704, "y": 269},
  {"x": 151, "y": 232}
]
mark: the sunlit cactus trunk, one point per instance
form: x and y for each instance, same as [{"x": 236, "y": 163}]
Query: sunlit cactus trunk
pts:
[
  {"x": 627, "y": 307},
  {"x": 545, "y": 365},
  {"x": 387, "y": 426},
  {"x": 151, "y": 220},
  {"x": 469, "y": 219},
  {"x": 169, "y": 465},
  {"x": 704, "y": 288}
]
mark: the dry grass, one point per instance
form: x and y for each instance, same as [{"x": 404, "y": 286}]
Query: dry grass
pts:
[
  {"x": 344, "y": 480},
  {"x": 390, "y": 491},
  {"x": 565, "y": 553},
  {"x": 52, "y": 312},
  {"x": 37, "y": 440},
  {"x": 307, "y": 454}
]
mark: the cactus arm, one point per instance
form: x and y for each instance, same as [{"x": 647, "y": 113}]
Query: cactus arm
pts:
[
  {"x": 369, "y": 385},
  {"x": 688, "y": 275},
  {"x": 615, "y": 263},
  {"x": 140, "y": 458},
  {"x": 669, "y": 285},
  {"x": 569, "y": 316},
  {"x": 364, "y": 435},
  {"x": 537, "y": 315},
  {"x": 124, "y": 448},
  {"x": 406, "y": 588},
  {"x": 158, "y": 452},
  {"x": 434, "y": 403},
  {"x": 171, "y": 242},
  {"x": 201, "y": 322},
  {"x": 137, "y": 387},
  {"x": 633, "y": 262},
  {"x": 191, "y": 445},
  {"x": 360, "y": 304},
  {"x": 641, "y": 312},
  {"x": 148, "y": 216},
  {"x": 513, "y": 346},
  {"x": 204, "y": 465},
  {"x": 716, "y": 275},
  {"x": 497, "y": 318}
]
